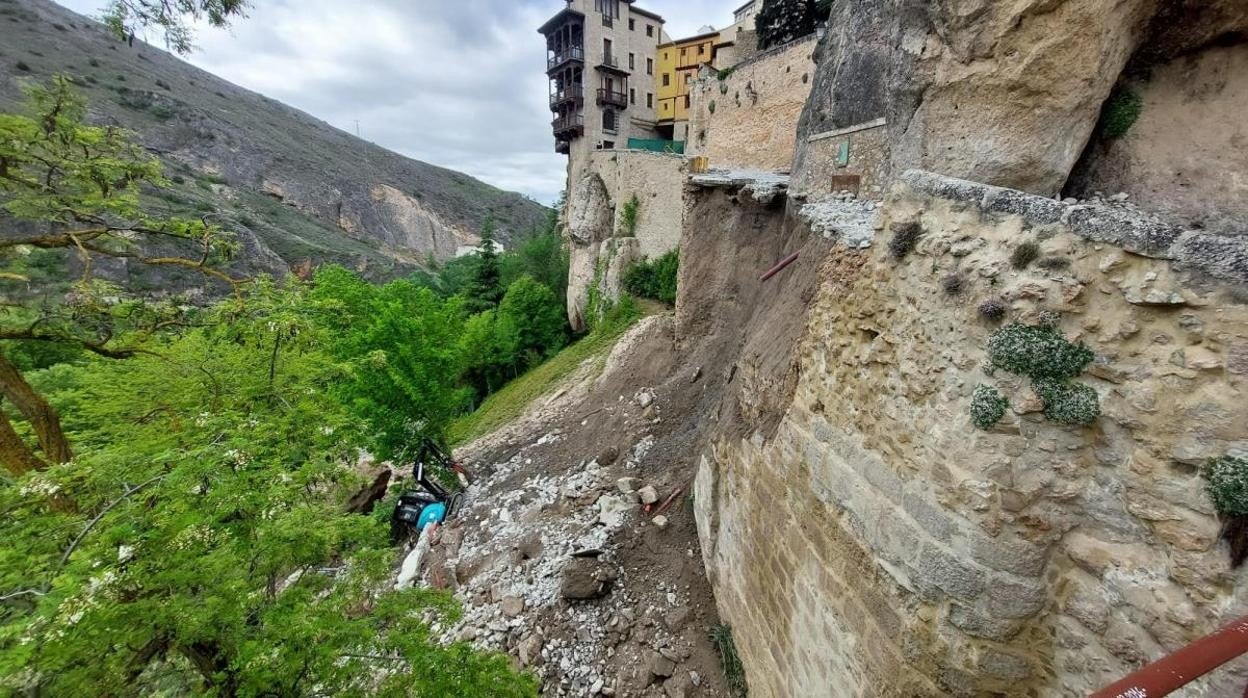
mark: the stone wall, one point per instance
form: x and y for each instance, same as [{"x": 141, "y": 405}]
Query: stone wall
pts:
[
  {"x": 1187, "y": 155},
  {"x": 875, "y": 543},
  {"x": 854, "y": 159},
  {"x": 749, "y": 120},
  {"x": 600, "y": 247}
]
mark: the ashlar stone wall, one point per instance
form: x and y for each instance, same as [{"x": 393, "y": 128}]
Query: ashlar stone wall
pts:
[
  {"x": 879, "y": 544},
  {"x": 600, "y": 244},
  {"x": 749, "y": 119}
]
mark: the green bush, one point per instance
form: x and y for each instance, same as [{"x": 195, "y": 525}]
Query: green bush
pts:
[
  {"x": 734, "y": 670},
  {"x": 1069, "y": 403},
  {"x": 1039, "y": 352},
  {"x": 1227, "y": 479},
  {"x": 1121, "y": 111},
  {"x": 628, "y": 216},
  {"x": 988, "y": 406},
  {"x": 654, "y": 279}
]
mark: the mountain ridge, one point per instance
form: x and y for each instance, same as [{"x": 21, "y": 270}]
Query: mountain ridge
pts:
[{"x": 294, "y": 188}]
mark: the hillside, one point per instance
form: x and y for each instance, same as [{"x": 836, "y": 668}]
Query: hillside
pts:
[{"x": 293, "y": 187}]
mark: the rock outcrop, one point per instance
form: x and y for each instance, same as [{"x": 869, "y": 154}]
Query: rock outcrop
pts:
[{"x": 1005, "y": 93}]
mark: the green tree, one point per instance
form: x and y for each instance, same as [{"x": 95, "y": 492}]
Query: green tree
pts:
[
  {"x": 209, "y": 553},
  {"x": 489, "y": 347},
  {"x": 538, "y": 316},
  {"x": 781, "y": 21},
  {"x": 486, "y": 289},
  {"x": 72, "y": 189},
  {"x": 173, "y": 17},
  {"x": 542, "y": 256}
]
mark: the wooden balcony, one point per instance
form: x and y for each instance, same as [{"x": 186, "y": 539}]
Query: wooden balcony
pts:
[
  {"x": 571, "y": 54},
  {"x": 611, "y": 64},
  {"x": 570, "y": 95},
  {"x": 568, "y": 127},
  {"x": 613, "y": 98}
]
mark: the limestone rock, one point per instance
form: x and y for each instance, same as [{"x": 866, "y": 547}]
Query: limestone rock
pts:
[
  {"x": 586, "y": 579},
  {"x": 512, "y": 606},
  {"x": 660, "y": 666},
  {"x": 648, "y": 495}
]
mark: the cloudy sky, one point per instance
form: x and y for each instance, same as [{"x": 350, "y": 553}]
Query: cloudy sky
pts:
[{"x": 457, "y": 84}]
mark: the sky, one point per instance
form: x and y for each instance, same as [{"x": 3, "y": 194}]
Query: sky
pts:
[{"x": 458, "y": 84}]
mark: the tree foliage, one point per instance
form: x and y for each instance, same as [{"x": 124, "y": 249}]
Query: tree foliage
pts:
[
  {"x": 486, "y": 289},
  {"x": 654, "y": 279},
  {"x": 208, "y": 551},
  {"x": 781, "y": 21},
  {"x": 174, "y": 18}
]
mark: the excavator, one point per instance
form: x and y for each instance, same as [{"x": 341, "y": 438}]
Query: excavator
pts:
[{"x": 431, "y": 503}]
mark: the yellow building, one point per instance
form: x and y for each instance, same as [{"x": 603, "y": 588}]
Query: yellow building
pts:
[{"x": 676, "y": 69}]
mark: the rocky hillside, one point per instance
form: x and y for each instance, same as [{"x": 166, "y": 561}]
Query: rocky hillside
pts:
[{"x": 293, "y": 187}]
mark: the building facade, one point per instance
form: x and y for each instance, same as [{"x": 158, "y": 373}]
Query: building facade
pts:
[
  {"x": 678, "y": 63},
  {"x": 600, "y": 59}
]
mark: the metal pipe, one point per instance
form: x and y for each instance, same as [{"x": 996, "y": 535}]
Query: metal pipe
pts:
[
  {"x": 1163, "y": 677},
  {"x": 779, "y": 267}
]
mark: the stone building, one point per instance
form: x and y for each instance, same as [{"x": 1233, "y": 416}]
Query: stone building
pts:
[
  {"x": 601, "y": 65},
  {"x": 679, "y": 62}
]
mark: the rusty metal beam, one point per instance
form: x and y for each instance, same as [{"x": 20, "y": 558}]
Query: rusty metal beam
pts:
[
  {"x": 1167, "y": 675},
  {"x": 779, "y": 267}
]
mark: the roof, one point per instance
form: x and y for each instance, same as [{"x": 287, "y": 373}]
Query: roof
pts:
[
  {"x": 559, "y": 19},
  {"x": 687, "y": 40},
  {"x": 751, "y": 2},
  {"x": 647, "y": 13}
]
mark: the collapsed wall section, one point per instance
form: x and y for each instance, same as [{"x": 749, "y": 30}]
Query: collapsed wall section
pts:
[{"x": 870, "y": 540}]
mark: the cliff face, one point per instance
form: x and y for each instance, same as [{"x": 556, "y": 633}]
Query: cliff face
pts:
[
  {"x": 863, "y": 537},
  {"x": 293, "y": 187}
]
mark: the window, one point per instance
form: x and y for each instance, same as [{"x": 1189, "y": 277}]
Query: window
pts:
[
  {"x": 649, "y": 100},
  {"x": 649, "y": 30},
  {"x": 688, "y": 78},
  {"x": 701, "y": 49},
  {"x": 667, "y": 79},
  {"x": 632, "y": 95},
  {"x": 608, "y": 145},
  {"x": 632, "y": 24},
  {"x": 683, "y": 52},
  {"x": 686, "y": 101},
  {"x": 608, "y": 120},
  {"x": 649, "y": 66},
  {"x": 632, "y": 61}
]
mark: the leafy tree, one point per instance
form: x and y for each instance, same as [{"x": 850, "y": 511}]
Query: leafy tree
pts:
[
  {"x": 781, "y": 21},
  {"x": 210, "y": 553},
  {"x": 486, "y": 289},
  {"x": 539, "y": 318},
  {"x": 541, "y": 256},
  {"x": 173, "y": 17},
  {"x": 489, "y": 347},
  {"x": 654, "y": 279},
  {"x": 399, "y": 345},
  {"x": 73, "y": 189}
]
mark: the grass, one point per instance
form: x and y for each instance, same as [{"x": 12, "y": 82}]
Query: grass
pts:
[
  {"x": 510, "y": 402},
  {"x": 734, "y": 670}
]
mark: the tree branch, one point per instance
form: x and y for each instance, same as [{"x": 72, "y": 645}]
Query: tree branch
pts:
[{"x": 103, "y": 512}]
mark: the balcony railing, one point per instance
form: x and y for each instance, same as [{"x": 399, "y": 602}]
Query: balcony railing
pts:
[
  {"x": 571, "y": 122},
  {"x": 571, "y": 53},
  {"x": 609, "y": 61},
  {"x": 618, "y": 99},
  {"x": 570, "y": 94}
]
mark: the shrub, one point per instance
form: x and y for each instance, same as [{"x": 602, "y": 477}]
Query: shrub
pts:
[
  {"x": 1227, "y": 479},
  {"x": 1069, "y": 403},
  {"x": 628, "y": 216},
  {"x": 1024, "y": 255},
  {"x": 905, "y": 239},
  {"x": 725, "y": 73},
  {"x": 1040, "y": 353},
  {"x": 993, "y": 309},
  {"x": 1121, "y": 111},
  {"x": 654, "y": 279},
  {"x": 711, "y": 107},
  {"x": 988, "y": 406},
  {"x": 953, "y": 284}
]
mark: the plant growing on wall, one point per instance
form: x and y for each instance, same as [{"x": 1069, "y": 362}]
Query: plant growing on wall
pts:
[
  {"x": 628, "y": 216},
  {"x": 1121, "y": 111},
  {"x": 988, "y": 406},
  {"x": 1041, "y": 353},
  {"x": 905, "y": 239},
  {"x": 1227, "y": 479},
  {"x": 654, "y": 278}
]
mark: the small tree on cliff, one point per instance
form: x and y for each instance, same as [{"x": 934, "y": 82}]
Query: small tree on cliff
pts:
[
  {"x": 782, "y": 21},
  {"x": 71, "y": 189}
]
